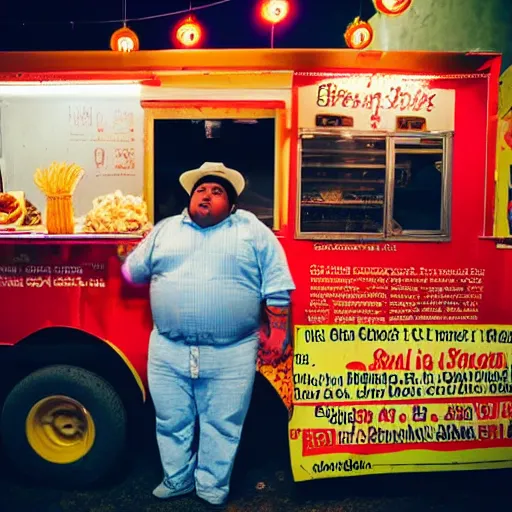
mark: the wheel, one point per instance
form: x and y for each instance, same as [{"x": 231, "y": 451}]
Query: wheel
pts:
[{"x": 64, "y": 424}]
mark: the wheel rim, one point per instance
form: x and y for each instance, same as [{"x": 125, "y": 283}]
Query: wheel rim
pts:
[{"x": 60, "y": 429}]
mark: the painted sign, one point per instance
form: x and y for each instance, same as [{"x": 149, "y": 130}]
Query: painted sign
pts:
[
  {"x": 377, "y": 399},
  {"x": 395, "y": 98},
  {"x": 383, "y": 294},
  {"x": 375, "y": 101}
]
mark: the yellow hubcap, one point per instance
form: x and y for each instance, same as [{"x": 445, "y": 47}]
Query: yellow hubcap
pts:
[{"x": 60, "y": 429}]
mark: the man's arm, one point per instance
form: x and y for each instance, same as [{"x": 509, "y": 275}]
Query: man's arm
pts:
[
  {"x": 137, "y": 264},
  {"x": 277, "y": 313},
  {"x": 277, "y": 283},
  {"x": 275, "y": 273}
]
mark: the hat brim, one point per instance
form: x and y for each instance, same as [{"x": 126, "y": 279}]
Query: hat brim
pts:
[{"x": 189, "y": 178}]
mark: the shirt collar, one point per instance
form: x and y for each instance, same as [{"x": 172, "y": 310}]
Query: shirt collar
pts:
[{"x": 186, "y": 219}]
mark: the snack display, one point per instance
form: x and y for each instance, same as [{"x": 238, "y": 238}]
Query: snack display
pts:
[
  {"x": 327, "y": 196},
  {"x": 11, "y": 209},
  {"x": 117, "y": 213},
  {"x": 58, "y": 182},
  {"x": 33, "y": 215},
  {"x": 331, "y": 196}
]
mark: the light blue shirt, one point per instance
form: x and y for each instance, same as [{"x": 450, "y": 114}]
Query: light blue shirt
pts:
[{"x": 208, "y": 284}]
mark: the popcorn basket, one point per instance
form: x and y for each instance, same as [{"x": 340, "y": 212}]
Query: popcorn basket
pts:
[{"x": 60, "y": 217}]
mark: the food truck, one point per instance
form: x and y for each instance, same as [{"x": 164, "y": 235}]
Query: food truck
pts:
[{"x": 385, "y": 176}]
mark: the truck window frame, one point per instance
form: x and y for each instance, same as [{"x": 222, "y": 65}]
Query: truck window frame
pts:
[
  {"x": 214, "y": 109},
  {"x": 391, "y": 138}
]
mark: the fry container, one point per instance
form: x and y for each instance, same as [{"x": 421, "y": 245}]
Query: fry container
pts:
[{"x": 60, "y": 218}]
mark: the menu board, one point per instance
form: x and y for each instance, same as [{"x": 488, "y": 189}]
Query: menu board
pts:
[
  {"x": 374, "y": 294},
  {"x": 377, "y": 399}
]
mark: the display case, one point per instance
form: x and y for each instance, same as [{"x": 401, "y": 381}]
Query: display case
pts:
[
  {"x": 71, "y": 162},
  {"x": 373, "y": 186},
  {"x": 343, "y": 184}
]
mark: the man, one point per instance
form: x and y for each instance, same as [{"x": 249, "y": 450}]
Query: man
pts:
[{"x": 211, "y": 269}]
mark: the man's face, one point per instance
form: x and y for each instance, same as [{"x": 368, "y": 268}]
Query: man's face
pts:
[{"x": 209, "y": 204}]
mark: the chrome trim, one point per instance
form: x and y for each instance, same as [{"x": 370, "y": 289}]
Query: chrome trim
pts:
[
  {"x": 298, "y": 205},
  {"x": 349, "y": 132},
  {"x": 446, "y": 213},
  {"x": 389, "y": 185}
]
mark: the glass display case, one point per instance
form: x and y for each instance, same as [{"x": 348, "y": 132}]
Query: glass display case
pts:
[
  {"x": 364, "y": 186},
  {"x": 343, "y": 184}
]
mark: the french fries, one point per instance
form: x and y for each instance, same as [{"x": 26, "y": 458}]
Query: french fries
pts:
[
  {"x": 58, "y": 182},
  {"x": 60, "y": 178}
]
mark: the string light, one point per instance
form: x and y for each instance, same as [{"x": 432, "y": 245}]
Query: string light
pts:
[
  {"x": 119, "y": 21},
  {"x": 124, "y": 40},
  {"x": 359, "y": 34},
  {"x": 274, "y": 12},
  {"x": 392, "y": 7},
  {"x": 188, "y": 33}
]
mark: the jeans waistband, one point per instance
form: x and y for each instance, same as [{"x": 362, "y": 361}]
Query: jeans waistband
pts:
[{"x": 208, "y": 340}]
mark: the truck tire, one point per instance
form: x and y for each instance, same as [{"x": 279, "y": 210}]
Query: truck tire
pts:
[{"x": 65, "y": 425}]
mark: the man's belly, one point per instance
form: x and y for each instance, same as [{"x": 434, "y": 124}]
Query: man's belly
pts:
[{"x": 224, "y": 315}]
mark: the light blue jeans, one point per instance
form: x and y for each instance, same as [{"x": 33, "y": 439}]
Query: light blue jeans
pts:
[{"x": 214, "y": 384}]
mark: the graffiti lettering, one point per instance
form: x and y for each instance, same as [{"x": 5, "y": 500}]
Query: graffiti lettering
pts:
[{"x": 329, "y": 95}]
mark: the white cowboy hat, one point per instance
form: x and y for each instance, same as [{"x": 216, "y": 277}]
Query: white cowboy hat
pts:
[{"x": 189, "y": 178}]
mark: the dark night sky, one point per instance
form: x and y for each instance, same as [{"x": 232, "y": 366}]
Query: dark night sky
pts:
[{"x": 315, "y": 24}]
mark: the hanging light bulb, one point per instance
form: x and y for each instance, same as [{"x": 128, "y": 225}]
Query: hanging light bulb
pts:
[
  {"x": 188, "y": 32},
  {"x": 275, "y": 11},
  {"x": 359, "y": 34},
  {"x": 124, "y": 40},
  {"x": 392, "y": 7}
]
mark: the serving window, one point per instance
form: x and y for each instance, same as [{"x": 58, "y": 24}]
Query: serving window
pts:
[
  {"x": 357, "y": 186},
  {"x": 243, "y": 144},
  {"x": 71, "y": 160},
  {"x": 183, "y": 135}
]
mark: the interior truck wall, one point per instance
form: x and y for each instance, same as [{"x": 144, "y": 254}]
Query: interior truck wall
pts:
[{"x": 102, "y": 134}]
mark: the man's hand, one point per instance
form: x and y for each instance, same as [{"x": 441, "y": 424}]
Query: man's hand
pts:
[
  {"x": 124, "y": 250},
  {"x": 274, "y": 341}
]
